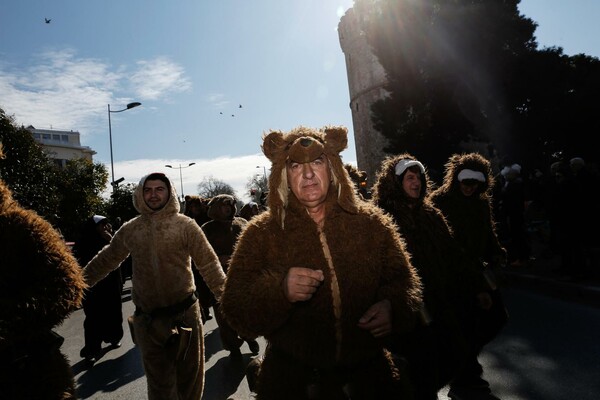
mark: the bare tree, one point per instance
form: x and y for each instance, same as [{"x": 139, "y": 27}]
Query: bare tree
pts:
[
  {"x": 257, "y": 184},
  {"x": 210, "y": 187}
]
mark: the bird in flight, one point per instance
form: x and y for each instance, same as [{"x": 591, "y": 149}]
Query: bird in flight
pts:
[
  {"x": 48, "y": 20},
  {"x": 240, "y": 106}
]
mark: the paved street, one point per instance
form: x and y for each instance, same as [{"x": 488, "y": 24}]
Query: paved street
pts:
[
  {"x": 549, "y": 350},
  {"x": 119, "y": 373}
]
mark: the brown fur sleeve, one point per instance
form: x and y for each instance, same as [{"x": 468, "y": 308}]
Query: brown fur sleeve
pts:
[
  {"x": 206, "y": 261},
  {"x": 253, "y": 301},
  {"x": 400, "y": 282}
]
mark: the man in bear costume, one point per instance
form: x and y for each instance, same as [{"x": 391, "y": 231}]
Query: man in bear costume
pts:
[
  {"x": 40, "y": 285},
  {"x": 222, "y": 233},
  {"x": 323, "y": 276},
  {"x": 166, "y": 323}
]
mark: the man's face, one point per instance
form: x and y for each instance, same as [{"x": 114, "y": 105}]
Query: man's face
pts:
[
  {"x": 309, "y": 181},
  {"x": 411, "y": 183},
  {"x": 156, "y": 194},
  {"x": 468, "y": 187}
]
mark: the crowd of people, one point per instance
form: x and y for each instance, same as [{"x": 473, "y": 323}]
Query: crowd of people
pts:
[{"x": 358, "y": 294}]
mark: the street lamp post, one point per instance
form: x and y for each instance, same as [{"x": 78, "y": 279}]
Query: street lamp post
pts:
[
  {"x": 113, "y": 183},
  {"x": 264, "y": 171},
  {"x": 180, "y": 175}
]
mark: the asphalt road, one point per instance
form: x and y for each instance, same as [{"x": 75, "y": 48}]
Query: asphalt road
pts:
[{"x": 549, "y": 350}]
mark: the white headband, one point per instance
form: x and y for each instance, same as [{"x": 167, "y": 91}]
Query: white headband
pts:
[
  {"x": 406, "y": 163},
  {"x": 470, "y": 174},
  {"x": 98, "y": 218}
]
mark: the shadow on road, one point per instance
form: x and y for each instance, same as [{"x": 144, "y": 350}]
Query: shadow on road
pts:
[
  {"x": 109, "y": 375},
  {"x": 224, "y": 377}
]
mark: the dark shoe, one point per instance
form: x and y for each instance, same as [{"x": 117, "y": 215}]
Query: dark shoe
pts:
[{"x": 254, "y": 347}]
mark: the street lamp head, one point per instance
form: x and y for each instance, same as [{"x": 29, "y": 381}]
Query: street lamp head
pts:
[
  {"x": 169, "y": 166},
  {"x": 134, "y": 104},
  {"x": 192, "y": 163}
]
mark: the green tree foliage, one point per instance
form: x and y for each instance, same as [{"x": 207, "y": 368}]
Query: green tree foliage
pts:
[
  {"x": 80, "y": 185},
  {"x": 27, "y": 171},
  {"x": 64, "y": 197},
  {"x": 120, "y": 204},
  {"x": 466, "y": 71},
  {"x": 210, "y": 187}
]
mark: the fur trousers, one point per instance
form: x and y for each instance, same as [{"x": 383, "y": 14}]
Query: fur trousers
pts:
[{"x": 172, "y": 349}]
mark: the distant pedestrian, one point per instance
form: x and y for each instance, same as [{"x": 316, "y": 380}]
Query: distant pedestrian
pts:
[
  {"x": 512, "y": 198},
  {"x": 102, "y": 303},
  {"x": 166, "y": 324},
  {"x": 249, "y": 210},
  {"x": 196, "y": 207},
  {"x": 222, "y": 232}
]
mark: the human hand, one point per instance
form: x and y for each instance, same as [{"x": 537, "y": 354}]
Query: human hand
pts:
[
  {"x": 484, "y": 300},
  {"x": 106, "y": 235},
  {"x": 300, "y": 283},
  {"x": 377, "y": 319}
]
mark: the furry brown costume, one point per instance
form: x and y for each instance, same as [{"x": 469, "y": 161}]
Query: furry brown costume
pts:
[
  {"x": 222, "y": 233},
  {"x": 167, "y": 324},
  {"x": 196, "y": 207},
  {"x": 359, "y": 178},
  {"x": 436, "y": 347},
  {"x": 40, "y": 285},
  {"x": 472, "y": 222},
  {"x": 315, "y": 348}
]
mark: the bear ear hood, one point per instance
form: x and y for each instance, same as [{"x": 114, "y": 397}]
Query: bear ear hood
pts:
[
  {"x": 303, "y": 144},
  {"x": 214, "y": 209},
  {"x": 388, "y": 191},
  {"x": 172, "y": 206},
  {"x": 472, "y": 163}
]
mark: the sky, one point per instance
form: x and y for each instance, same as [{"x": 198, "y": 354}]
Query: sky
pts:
[{"x": 212, "y": 76}]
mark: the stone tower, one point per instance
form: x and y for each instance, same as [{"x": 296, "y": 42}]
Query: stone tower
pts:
[{"x": 366, "y": 80}]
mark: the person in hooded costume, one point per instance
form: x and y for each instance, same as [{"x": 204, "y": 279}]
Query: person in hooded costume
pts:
[
  {"x": 222, "y": 233},
  {"x": 436, "y": 347},
  {"x": 322, "y": 275},
  {"x": 166, "y": 324},
  {"x": 41, "y": 284},
  {"x": 102, "y": 303},
  {"x": 465, "y": 200}
]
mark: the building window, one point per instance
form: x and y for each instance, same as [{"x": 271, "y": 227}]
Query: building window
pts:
[
  {"x": 64, "y": 138},
  {"x": 46, "y": 136},
  {"x": 36, "y": 136},
  {"x": 56, "y": 137}
]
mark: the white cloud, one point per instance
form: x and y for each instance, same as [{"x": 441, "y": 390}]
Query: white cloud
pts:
[
  {"x": 156, "y": 78},
  {"x": 61, "y": 90}
]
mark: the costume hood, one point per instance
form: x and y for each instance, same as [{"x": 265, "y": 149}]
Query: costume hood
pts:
[
  {"x": 474, "y": 162},
  {"x": 304, "y": 144},
  {"x": 140, "y": 205},
  {"x": 214, "y": 209},
  {"x": 388, "y": 192}
]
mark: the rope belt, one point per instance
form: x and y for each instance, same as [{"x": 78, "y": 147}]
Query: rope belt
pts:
[{"x": 169, "y": 310}]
